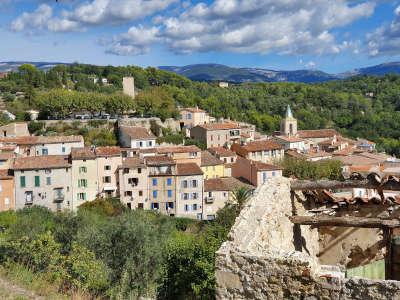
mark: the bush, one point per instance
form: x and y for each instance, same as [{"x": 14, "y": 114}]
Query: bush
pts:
[
  {"x": 35, "y": 126},
  {"x": 303, "y": 169}
]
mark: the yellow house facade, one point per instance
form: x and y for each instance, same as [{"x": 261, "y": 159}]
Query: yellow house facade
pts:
[{"x": 211, "y": 166}]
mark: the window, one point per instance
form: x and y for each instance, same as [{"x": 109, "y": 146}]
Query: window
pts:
[
  {"x": 139, "y": 170},
  {"x": 140, "y": 144},
  {"x": 210, "y": 194},
  {"x": 128, "y": 193},
  {"x": 194, "y": 183},
  {"x": 154, "y": 194},
  {"x": 169, "y": 181},
  {"x": 193, "y": 154},
  {"x": 189, "y": 116},
  {"x": 107, "y": 167},
  {"x": 82, "y": 170},
  {"x": 264, "y": 177},
  {"x": 82, "y": 183},
  {"x": 194, "y": 206},
  {"x": 48, "y": 180},
  {"x": 7, "y": 201},
  {"x": 140, "y": 193},
  {"x": 150, "y": 143},
  {"x": 45, "y": 151},
  {"x": 169, "y": 205},
  {"x": 82, "y": 196},
  {"x": 126, "y": 170},
  {"x": 184, "y": 184},
  {"x": 154, "y": 181},
  {"x": 169, "y": 192},
  {"x": 185, "y": 196},
  {"x": 58, "y": 193},
  {"x": 22, "y": 181},
  {"x": 28, "y": 197},
  {"x": 63, "y": 149},
  {"x": 154, "y": 205},
  {"x": 107, "y": 179},
  {"x": 187, "y": 207},
  {"x": 140, "y": 205},
  {"x": 199, "y": 216},
  {"x": 47, "y": 171},
  {"x": 133, "y": 181},
  {"x": 194, "y": 195},
  {"x": 273, "y": 174},
  {"x": 37, "y": 181}
]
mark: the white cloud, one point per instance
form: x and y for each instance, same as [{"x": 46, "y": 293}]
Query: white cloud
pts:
[
  {"x": 37, "y": 19},
  {"x": 385, "y": 40}
]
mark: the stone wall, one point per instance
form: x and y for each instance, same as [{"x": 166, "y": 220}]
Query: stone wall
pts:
[{"x": 266, "y": 257}]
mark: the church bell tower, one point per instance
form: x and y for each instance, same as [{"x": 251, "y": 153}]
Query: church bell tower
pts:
[{"x": 289, "y": 124}]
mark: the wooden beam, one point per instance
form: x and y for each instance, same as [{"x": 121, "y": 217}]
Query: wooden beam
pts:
[{"x": 323, "y": 220}]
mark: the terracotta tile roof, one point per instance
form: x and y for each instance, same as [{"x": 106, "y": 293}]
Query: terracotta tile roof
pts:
[
  {"x": 159, "y": 160},
  {"x": 224, "y": 184},
  {"x": 293, "y": 153},
  {"x": 220, "y": 126},
  {"x": 317, "y": 133},
  {"x": 34, "y": 140},
  {"x": 255, "y": 146},
  {"x": 178, "y": 149},
  {"x": 318, "y": 154},
  {"x": 346, "y": 151},
  {"x": 207, "y": 159},
  {"x": 6, "y": 155},
  {"x": 8, "y": 148},
  {"x": 289, "y": 139},
  {"x": 41, "y": 162},
  {"x": 133, "y": 162},
  {"x": 108, "y": 151},
  {"x": 82, "y": 153},
  {"x": 137, "y": 133},
  {"x": 222, "y": 151},
  {"x": 5, "y": 174},
  {"x": 187, "y": 169},
  {"x": 260, "y": 166},
  {"x": 192, "y": 109}
]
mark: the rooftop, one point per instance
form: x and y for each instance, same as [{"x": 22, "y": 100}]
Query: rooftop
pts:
[
  {"x": 220, "y": 126},
  {"x": 133, "y": 162},
  {"x": 83, "y": 153},
  {"x": 178, "y": 149},
  {"x": 224, "y": 184},
  {"x": 207, "y": 159},
  {"x": 255, "y": 146},
  {"x": 289, "y": 139},
  {"x": 317, "y": 133},
  {"x": 137, "y": 133},
  {"x": 159, "y": 160},
  {"x": 108, "y": 151},
  {"x": 222, "y": 151},
  {"x": 33, "y": 140},
  {"x": 187, "y": 169},
  {"x": 41, "y": 162}
]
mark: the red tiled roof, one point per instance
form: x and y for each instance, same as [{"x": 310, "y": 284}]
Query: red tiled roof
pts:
[
  {"x": 34, "y": 140},
  {"x": 255, "y": 146},
  {"x": 290, "y": 139},
  {"x": 83, "y": 153},
  {"x": 159, "y": 160},
  {"x": 178, "y": 149},
  {"x": 207, "y": 159},
  {"x": 260, "y": 166},
  {"x": 133, "y": 162},
  {"x": 108, "y": 151},
  {"x": 222, "y": 151},
  {"x": 41, "y": 162},
  {"x": 224, "y": 184},
  {"x": 220, "y": 126},
  {"x": 187, "y": 169},
  {"x": 6, "y": 155},
  {"x": 137, "y": 133},
  {"x": 317, "y": 133}
]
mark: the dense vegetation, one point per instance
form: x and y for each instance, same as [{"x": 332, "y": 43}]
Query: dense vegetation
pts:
[
  {"x": 108, "y": 251},
  {"x": 339, "y": 104},
  {"x": 303, "y": 169}
]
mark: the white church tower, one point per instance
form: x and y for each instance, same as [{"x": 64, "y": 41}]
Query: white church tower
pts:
[{"x": 289, "y": 124}]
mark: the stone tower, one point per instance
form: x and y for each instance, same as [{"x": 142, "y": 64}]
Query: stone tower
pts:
[
  {"x": 128, "y": 84},
  {"x": 289, "y": 124}
]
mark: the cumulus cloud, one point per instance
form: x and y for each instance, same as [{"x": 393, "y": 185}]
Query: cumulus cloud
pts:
[
  {"x": 261, "y": 26},
  {"x": 385, "y": 40}
]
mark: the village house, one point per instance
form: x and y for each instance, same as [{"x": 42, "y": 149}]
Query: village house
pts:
[
  {"x": 133, "y": 183},
  {"x": 255, "y": 172},
  {"x": 43, "y": 145},
  {"x": 211, "y": 166},
  {"x": 14, "y": 129},
  {"x": 6, "y": 159},
  {"x": 216, "y": 134},
  {"x": 218, "y": 192},
  {"x": 108, "y": 161},
  {"x": 181, "y": 154},
  {"x": 193, "y": 116},
  {"x": 7, "y": 196},
  {"x": 227, "y": 156},
  {"x": 189, "y": 191},
  {"x": 365, "y": 145},
  {"x": 84, "y": 176},
  {"x": 44, "y": 181},
  {"x": 291, "y": 142},
  {"x": 162, "y": 185},
  {"x": 136, "y": 137},
  {"x": 266, "y": 151}
]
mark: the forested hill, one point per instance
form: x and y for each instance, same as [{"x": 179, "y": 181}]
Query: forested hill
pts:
[{"x": 363, "y": 106}]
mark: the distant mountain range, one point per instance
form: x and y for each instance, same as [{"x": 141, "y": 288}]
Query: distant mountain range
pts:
[{"x": 217, "y": 72}]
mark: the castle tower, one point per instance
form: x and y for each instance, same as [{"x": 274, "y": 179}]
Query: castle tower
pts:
[
  {"x": 289, "y": 124},
  {"x": 128, "y": 84}
]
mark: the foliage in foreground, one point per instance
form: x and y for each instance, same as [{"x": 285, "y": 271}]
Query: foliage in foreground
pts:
[
  {"x": 303, "y": 169},
  {"x": 105, "y": 250}
]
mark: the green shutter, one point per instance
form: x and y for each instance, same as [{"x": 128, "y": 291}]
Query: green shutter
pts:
[
  {"x": 22, "y": 181},
  {"x": 79, "y": 183},
  {"x": 37, "y": 181}
]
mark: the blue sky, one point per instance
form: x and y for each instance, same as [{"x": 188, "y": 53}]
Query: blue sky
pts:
[{"x": 333, "y": 36}]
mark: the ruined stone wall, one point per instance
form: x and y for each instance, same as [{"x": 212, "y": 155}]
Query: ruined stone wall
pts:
[{"x": 266, "y": 257}]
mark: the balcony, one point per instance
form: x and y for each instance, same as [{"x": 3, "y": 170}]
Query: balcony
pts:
[{"x": 59, "y": 198}]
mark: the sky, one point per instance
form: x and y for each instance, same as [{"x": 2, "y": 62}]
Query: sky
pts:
[{"x": 329, "y": 35}]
